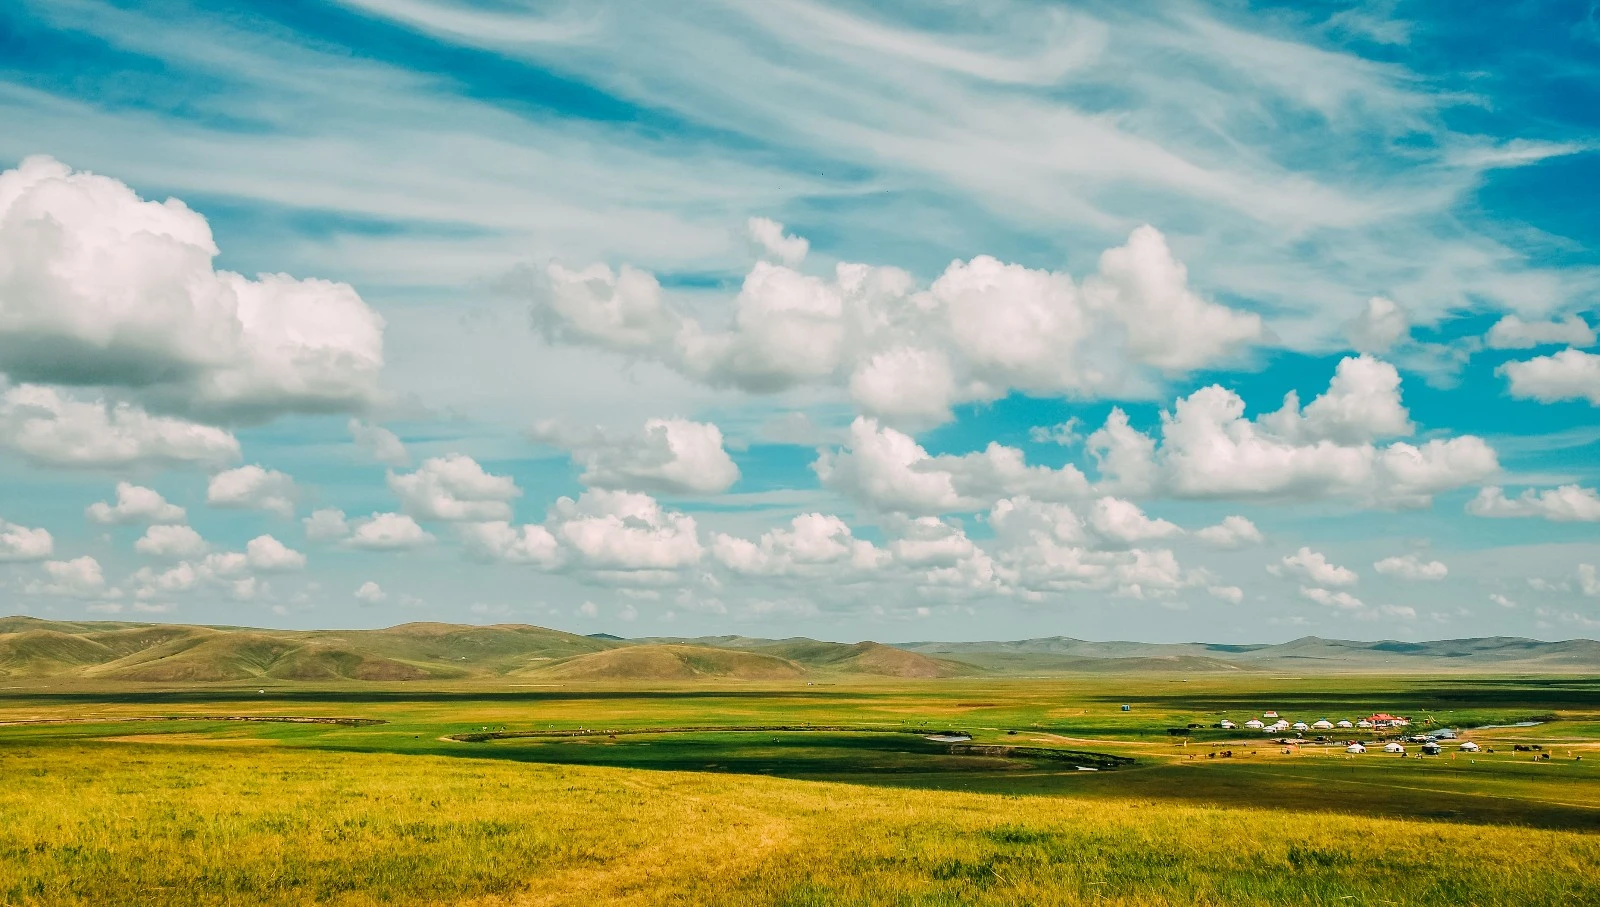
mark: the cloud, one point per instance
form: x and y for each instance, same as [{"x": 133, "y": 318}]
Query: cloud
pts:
[
  {"x": 500, "y": 541},
  {"x": 1064, "y": 434},
  {"x": 1313, "y": 567},
  {"x": 1168, "y": 325},
  {"x": 619, "y": 530},
  {"x": 20, "y": 543},
  {"x": 104, "y": 288},
  {"x": 1566, "y": 504},
  {"x": 671, "y": 456},
  {"x": 56, "y": 430},
  {"x": 379, "y": 443},
  {"x": 1501, "y": 600},
  {"x": 1512, "y": 333},
  {"x": 1124, "y": 455},
  {"x": 1233, "y": 595},
  {"x": 326, "y": 524},
  {"x": 176, "y": 580},
  {"x": 1362, "y": 404},
  {"x": 1588, "y": 580},
  {"x": 1411, "y": 567},
  {"x": 1342, "y": 600},
  {"x": 1568, "y": 375},
  {"x": 370, "y": 593},
  {"x": 177, "y": 542},
  {"x": 1122, "y": 522},
  {"x": 454, "y": 488},
  {"x": 252, "y": 488},
  {"x": 1209, "y": 449},
  {"x": 79, "y": 578},
  {"x": 980, "y": 330},
  {"x": 135, "y": 504},
  {"x": 889, "y": 471},
  {"x": 268, "y": 555},
  {"x": 1381, "y": 325},
  {"x": 387, "y": 532},
  {"x": 791, "y": 250},
  {"x": 1232, "y": 532},
  {"x": 812, "y": 544}
]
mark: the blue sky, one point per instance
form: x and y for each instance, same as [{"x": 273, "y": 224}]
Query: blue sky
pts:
[{"x": 745, "y": 317}]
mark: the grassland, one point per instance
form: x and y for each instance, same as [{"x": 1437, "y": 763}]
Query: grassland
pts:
[{"x": 137, "y": 793}]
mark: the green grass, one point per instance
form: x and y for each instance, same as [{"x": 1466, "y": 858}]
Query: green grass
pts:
[{"x": 860, "y": 810}]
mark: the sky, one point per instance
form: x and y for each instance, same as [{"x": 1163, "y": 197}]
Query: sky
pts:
[{"x": 1230, "y": 322}]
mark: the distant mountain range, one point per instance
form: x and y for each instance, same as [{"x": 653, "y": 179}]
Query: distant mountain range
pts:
[{"x": 178, "y": 653}]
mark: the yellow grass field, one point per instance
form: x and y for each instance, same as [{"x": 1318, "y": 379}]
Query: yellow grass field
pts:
[{"x": 664, "y": 795}]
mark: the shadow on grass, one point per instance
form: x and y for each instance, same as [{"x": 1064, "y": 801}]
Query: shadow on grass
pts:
[{"x": 1321, "y": 789}]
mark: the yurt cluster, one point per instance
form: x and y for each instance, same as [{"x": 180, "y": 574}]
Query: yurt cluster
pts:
[{"x": 1431, "y": 743}]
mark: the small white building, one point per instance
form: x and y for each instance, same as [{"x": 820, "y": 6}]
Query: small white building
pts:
[
  {"x": 1468, "y": 747},
  {"x": 1363, "y": 723},
  {"x": 1301, "y": 726},
  {"x": 1355, "y": 748},
  {"x": 1254, "y": 724},
  {"x": 1281, "y": 725},
  {"x": 1323, "y": 725},
  {"x": 1430, "y": 748},
  {"x": 1225, "y": 724},
  {"x": 1394, "y": 748},
  {"x": 1345, "y": 722},
  {"x": 1270, "y": 715}
]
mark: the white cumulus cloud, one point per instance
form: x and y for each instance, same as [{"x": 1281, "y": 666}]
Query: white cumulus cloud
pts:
[
  {"x": 268, "y": 555},
  {"x": 379, "y": 443},
  {"x": 1411, "y": 567},
  {"x": 53, "y": 429},
  {"x": 135, "y": 504},
  {"x": 104, "y": 288},
  {"x": 1512, "y": 333},
  {"x": 252, "y": 488},
  {"x": 1566, "y": 504},
  {"x": 1233, "y": 532},
  {"x": 454, "y": 488},
  {"x": 670, "y": 455},
  {"x": 1313, "y": 567},
  {"x": 21, "y": 543},
  {"x": 177, "y": 542},
  {"x": 387, "y": 532},
  {"x": 1571, "y": 374}
]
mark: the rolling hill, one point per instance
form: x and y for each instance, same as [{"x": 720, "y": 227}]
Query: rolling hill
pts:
[
  {"x": 670, "y": 662},
  {"x": 116, "y": 651}
]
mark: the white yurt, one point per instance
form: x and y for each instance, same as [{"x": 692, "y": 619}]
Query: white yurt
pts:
[
  {"x": 1468, "y": 747},
  {"x": 1345, "y": 722},
  {"x": 1227, "y": 725},
  {"x": 1394, "y": 748},
  {"x": 1301, "y": 726},
  {"x": 1355, "y": 748},
  {"x": 1363, "y": 723},
  {"x": 1323, "y": 725},
  {"x": 1254, "y": 724},
  {"x": 1430, "y": 748}
]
